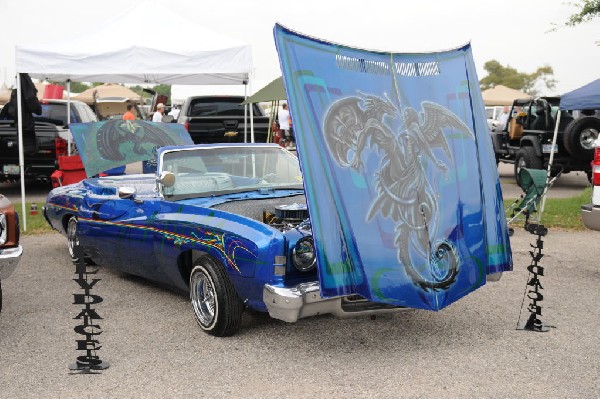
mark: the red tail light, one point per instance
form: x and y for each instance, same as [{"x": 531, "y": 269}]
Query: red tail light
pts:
[
  {"x": 596, "y": 167},
  {"x": 60, "y": 146},
  {"x": 186, "y": 125}
]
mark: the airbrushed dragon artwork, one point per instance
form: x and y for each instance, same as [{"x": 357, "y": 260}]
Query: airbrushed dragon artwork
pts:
[{"x": 404, "y": 193}]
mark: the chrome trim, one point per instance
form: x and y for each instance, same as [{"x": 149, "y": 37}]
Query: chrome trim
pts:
[
  {"x": 9, "y": 259},
  {"x": 304, "y": 300}
]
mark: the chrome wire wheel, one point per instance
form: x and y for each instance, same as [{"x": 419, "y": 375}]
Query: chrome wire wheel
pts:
[
  {"x": 203, "y": 297},
  {"x": 217, "y": 306},
  {"x": 72, "y": 240}
]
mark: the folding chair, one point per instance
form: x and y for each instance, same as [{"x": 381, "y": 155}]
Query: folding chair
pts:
[{"x": 534, "y": 184}]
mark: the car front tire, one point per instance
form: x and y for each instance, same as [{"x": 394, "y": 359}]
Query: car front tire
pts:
[
  {"x": 526, "y": 158},
  {"x": 216, "y": 305}
]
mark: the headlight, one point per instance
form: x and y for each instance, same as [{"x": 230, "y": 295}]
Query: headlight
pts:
[
  {"x": 303, "y": 254},
  {"x": 3, "y": 229}
]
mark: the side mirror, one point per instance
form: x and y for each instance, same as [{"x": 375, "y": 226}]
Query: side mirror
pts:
[
  {"x": 167, "y": 179},
  {"x": 126, "y": 192}
]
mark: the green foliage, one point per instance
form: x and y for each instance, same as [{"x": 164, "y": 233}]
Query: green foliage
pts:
[
  {"x": 163, "y": 89},
  {"x": 499, "y": 74},
  {"x": 36, "y": 224},
  {"x": 589, "y": 9}
]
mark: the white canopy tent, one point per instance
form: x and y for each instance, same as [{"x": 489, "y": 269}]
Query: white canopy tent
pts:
[{"x": 117, "y": 51}]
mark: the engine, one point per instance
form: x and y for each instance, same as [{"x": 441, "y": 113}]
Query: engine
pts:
[{"x": 286, "y": 217}]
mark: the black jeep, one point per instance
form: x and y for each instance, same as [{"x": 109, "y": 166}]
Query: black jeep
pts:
[{"x": 526, "y": 140}]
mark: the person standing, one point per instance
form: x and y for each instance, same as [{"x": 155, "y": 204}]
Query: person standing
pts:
[
  {"x": 503, "y": 118},
  {"x": 160, "y": 110},
  {"x": 129, "y": 115},
  {"x": 283, "y": 116},
  {"x": 174, "y": 112}
]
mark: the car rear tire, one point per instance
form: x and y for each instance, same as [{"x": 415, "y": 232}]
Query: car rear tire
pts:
[
  {"x": 217, "y": 307},
  {"x": 72, "y": 240},
  {"x": 526, "y": 158},
  {"x": 580, "y": 136}
]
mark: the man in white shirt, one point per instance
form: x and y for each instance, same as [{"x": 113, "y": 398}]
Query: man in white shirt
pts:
[
  {"x": 160, "y": 110},
  {"x": 503, "y": 118},
  {"x": 174, "y": 112},
  {"x": 284, "y": 124}
]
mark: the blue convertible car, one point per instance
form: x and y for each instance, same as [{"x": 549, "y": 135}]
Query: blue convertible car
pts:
[
  {"x": 239, "y": 226},
  {"x": 228, "y": 224}
]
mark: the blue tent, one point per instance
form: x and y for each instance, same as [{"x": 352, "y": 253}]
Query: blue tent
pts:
[{"x": 586, "y": 97}]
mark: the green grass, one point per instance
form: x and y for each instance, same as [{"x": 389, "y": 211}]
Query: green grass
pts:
[
  {"x": 36, "y": 224},
  {"x": 561, "y": 213}
]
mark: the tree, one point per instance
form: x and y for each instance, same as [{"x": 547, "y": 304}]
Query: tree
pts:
[
  {"x": 589, "y": 9},
  {"x": 498, "y": 74}
]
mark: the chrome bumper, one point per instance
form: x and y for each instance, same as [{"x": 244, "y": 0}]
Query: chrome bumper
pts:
[
  {"x": 304, "y": 300},
  {"x": 9, "y": 259},
  {"x": 591, "y": 216}
]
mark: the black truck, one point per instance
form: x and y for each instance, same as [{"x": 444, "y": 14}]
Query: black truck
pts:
[
  {"x": 220, "y": 119},
  {"x": 526, "y": 140},
  {"x": 51, "y": 140}
]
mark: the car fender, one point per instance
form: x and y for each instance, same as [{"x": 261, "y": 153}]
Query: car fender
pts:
[{"x": 531, "y": 142}]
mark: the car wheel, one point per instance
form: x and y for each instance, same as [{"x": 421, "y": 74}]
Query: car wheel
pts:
[
  {"x": 72, "y": 240},
  {"x": 216, "y": 305},
  {"x": 526, "y": 158},
  {"x": 580, "y": 136}
]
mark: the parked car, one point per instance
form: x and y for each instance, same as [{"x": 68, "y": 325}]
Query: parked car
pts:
[
  {"x": 51, "y": 134},
  {"x": 226, "y": 224},
  {"x": 10, "y": 249},
  {"x": 229, "y": 225},
  {"x": 526, "y": 140},
  {"x": 222, "y": 119}
]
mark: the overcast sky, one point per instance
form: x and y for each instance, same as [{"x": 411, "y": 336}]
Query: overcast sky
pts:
[{"x": 515, "y": 33}]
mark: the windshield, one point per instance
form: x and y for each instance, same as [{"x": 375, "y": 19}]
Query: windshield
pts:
[{"x": 201, "y": 172}]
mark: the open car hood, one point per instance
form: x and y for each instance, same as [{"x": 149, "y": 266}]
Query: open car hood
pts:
[
  {"x": 113, "y": 143},
  {"x": 400, "y": 178}
]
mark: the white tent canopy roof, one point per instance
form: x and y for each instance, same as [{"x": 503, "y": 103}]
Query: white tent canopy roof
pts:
[{"x": 118, "y": 52}]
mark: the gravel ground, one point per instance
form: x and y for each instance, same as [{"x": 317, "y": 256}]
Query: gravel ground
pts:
[{"x": 155, "y": 348}]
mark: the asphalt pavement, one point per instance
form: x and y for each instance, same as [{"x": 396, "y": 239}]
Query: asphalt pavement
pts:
[{"x": 155, "y": 349}]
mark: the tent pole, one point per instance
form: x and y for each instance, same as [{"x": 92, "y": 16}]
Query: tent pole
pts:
[
  {"x": 251, "y": 115},
  {"x": 69, "y": 115},
  {"x": 245, "y": 111},
  {"x": 550, "y": 162},
  {"x": 21, "y": 151}
]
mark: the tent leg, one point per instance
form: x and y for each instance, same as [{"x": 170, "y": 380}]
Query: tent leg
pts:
[{"x": 21, "y": 152}]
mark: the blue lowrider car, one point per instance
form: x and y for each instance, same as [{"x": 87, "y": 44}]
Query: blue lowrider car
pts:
[
  {"x": 226, "y": 223},
  {"x": 238, "y": 226}
]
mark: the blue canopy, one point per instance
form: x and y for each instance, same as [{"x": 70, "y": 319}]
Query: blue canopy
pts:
[{"x": 586, "y": 97}]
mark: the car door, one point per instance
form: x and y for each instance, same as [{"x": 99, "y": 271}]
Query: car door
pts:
[{"x": 121, "y": 230}]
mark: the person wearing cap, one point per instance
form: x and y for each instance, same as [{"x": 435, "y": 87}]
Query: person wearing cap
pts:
[{"x": 160, "y": 110}]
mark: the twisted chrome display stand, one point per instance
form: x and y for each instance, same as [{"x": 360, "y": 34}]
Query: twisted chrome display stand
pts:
[{"x": 535, "y": 183}]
